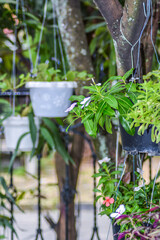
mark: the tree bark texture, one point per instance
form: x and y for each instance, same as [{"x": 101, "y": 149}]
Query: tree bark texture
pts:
[
  {"x": 126, "y": 25},
  {"x": 76, "y": 47},
  {"x": 133, "y": 33}
]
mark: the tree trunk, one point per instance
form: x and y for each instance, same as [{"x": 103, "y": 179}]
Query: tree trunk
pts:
[
  {"x": 127, "y": 26},
  {"x": 132, "y": 36},
  {"x": 76, "y": 47}
]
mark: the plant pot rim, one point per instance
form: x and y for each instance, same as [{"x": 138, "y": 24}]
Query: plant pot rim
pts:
[
  {"x": 62, "y": 84},
  {"x": 18, "y": 120},
  {"x": 139, "y": 143}
]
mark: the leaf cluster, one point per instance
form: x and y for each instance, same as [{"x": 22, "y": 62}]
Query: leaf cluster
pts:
[
  {"x": 140, "y": 225},
  {"x": 45, "y": 74},
  {"x": 134, "y": 198},
  {"x": 114, "y": 98},
  {"x": 146, "y": 112},
  {"x": 5, "y": 197}
]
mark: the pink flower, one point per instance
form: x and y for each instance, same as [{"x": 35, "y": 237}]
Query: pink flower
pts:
[
  {"x": 108, "y": 201},
  {"x": 7, "y": 31}
]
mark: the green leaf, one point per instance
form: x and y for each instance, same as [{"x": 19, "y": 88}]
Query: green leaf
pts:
[
  {"x": 90, "y": 128},
  {"x": 16, "y": 150},
  {"x": 76, "y": 98},
  {"x": 111, "y": 100},
  {"x": 127, "y": 74},
  {"x": 70, "y": 76},
  {"x": 59, "y": 145},
  {"x": 33, "y": 128},
  {"x": 99, "y": 112},
  {"x": 48, "y": 137},
  {"x": 109, "y": 111},
  {"x": 126, "y": 125},
  {"x": 94, "y": 27},
  {"x": 108, "y": 125}
]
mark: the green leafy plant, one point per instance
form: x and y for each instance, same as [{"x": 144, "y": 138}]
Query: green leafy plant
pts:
[
  {"x": 146, "y": 112},
  {"x": 113, "y": 99},
  {"x": 5, "y": 198},
  {"x": 44, "y": 73},
  {"x": 6, "y": 83},
  {"x": 113, "y": 192},
  {"x": 141, "y": 225}
]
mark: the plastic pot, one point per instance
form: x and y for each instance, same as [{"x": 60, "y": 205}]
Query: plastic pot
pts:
[
  {"x": 139, "y": 144},
  {"x": 50, "y": 99},
  {"x": 14, "y": 127},
  {"x": 116, "y": 230}
]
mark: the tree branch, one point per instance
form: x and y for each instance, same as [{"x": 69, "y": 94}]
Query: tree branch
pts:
[
  {"x": 112, "y": 11},
  {"x": 133, "y": 19}
]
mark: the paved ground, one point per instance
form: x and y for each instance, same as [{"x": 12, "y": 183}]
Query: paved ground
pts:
[{"x": 27, "y": 224}]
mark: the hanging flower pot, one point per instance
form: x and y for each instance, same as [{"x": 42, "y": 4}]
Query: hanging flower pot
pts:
[
  {"x": 50, "y": 99},
  {"x": 116, "y": 230},
  {"x": 139, "y": 144},
  {"x": 14, "y": 128}
]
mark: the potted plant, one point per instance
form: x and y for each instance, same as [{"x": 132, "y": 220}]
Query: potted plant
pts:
[
  {"x": 50, "y": 90},
  {"x": 115, "y": 100},
  {"x": 145, "y": 113},
  {"x": 140, "y": 225},
  {"x": 21, "y": 129},
  {"x": 118, "y": 198}
]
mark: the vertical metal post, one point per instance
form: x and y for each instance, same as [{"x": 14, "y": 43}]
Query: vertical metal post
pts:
[
  {"x": 67, "y": 202},
  {"x": 11, "y": 203},
  {"x": 134, "y": 179},
  {"x": 95, "y": 229},
  {"x": 150, "y": 169},
  {"x": 39, "y": 230}
]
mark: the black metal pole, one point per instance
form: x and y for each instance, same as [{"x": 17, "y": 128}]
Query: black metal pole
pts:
[
  {"x": 67, "y": 188},
  {"x": 95, "y": 228},
  {"x": 39, "y": 230},
  {"x": 11, "y": 202}
]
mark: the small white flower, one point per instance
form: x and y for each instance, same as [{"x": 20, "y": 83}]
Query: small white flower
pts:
[
  {"x": 119, "y": 211},
  {"x": 98, "y": 84},
  {"x": 93, "y": 81},
  {"x": 106, "y": 159},
  {"x": 71, "y": 107},
  {"x": 85, "y": 102},
  {"x": 136, "y": 189}
]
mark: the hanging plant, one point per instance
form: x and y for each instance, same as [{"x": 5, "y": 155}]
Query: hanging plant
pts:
[
  {"x": 146, "y": 112},
  {"x": 50, "y": 90},
  {"x": 105, "y": 102},
  {"x": 136, "y": 106}
]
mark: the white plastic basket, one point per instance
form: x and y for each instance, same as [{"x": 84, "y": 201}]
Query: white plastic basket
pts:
[
  {"x": 50, "y": 99},
  {"x": 14, "y": 127}
]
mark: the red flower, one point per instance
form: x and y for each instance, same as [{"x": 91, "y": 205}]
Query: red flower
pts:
[{"x": 108, "y": 201}]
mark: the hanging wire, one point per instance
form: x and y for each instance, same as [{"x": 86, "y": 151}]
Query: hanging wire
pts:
[
  {"x": 60, "y": 44},
  {"x": 54, "y": 34},
  {"x": 14, "y": 58},
  {"x": 154, "y": 184},
  {"x": 147, "y": 14},
  {"x": 141, "y": 173},
  {"x": 61, "y": 50},
  {"x": 152, "y": 36},
  {"x": 27, "y": 36},
  {"x": 41, "y": 33},
  {"x": 122, "y": 173},
  {"x": 117, "y": 150}
]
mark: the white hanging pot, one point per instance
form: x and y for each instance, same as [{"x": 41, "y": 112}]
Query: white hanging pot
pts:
[
  {"x": 51, "y": 99},
  {"x": 14, "y": 128}
]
